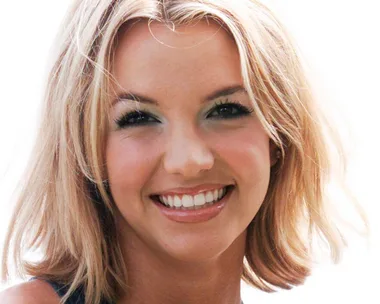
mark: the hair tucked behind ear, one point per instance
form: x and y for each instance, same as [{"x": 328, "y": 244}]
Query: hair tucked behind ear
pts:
[{"x": 64, "y": 207}]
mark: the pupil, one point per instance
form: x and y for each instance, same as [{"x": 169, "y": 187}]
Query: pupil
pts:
[
  {"x": 137, "y": 118},
  {"x": 226, "y": 110}
]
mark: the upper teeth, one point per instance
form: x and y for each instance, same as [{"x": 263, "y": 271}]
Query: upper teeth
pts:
[{"x": 193, "y": 200}]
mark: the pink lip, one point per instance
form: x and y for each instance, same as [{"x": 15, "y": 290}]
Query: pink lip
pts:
[
  {"x": 194, "y": 215},
  {"x": 192, "y": 190}
]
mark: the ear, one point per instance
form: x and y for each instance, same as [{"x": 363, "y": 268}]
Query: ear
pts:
[{"x": 273, "y": 153}]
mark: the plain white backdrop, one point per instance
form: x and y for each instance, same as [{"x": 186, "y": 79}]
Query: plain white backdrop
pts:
[{"x": 340, "y": 42}]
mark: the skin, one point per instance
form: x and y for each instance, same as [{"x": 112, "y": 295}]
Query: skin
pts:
[{"x": 170, "y": 262}]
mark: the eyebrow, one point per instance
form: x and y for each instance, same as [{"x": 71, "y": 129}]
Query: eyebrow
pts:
[{"x": 144, "y": 99}]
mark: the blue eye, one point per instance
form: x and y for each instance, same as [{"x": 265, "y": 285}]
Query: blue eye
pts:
[
  {"x": 135, "y": 119},
  {"x": 229, "y": 110}
]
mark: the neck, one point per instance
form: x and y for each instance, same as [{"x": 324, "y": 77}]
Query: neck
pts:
[{"x": 156, "y": 278}]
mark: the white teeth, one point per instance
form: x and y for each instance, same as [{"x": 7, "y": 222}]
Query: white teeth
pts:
[
  {"x": 189, "y": 201},
  {"x": 171, "y": 201},
  {"x": 209, "y": 197},
  {"x": 221, "y": 192},
  {"x": 177, "y": 201},
  {"x": 215, "y": 194},
  {"x": 199, "y": 199}
]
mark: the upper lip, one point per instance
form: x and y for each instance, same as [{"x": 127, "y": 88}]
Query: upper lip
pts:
[{"x": 191, "y": 190}]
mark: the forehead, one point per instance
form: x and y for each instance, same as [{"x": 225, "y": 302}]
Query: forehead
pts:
[{"x": 154, "y": 58}]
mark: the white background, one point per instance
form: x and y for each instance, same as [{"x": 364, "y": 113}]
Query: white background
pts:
[{"x": 340, "y": 41}]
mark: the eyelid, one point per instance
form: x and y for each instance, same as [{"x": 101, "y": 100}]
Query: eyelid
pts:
[{"x": 130, "y": 106}]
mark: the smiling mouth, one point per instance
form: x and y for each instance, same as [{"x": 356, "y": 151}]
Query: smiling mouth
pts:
[{"x": 190, "y": 202}]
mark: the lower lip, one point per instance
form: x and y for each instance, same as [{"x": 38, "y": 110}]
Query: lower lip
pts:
[{"x": 194, "y": 215}]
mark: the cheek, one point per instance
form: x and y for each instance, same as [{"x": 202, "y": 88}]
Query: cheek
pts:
[
  {"x": 246, "y": 151},
  {"x": 129, "y": 164},
  {"x": 247, "y": 148}
]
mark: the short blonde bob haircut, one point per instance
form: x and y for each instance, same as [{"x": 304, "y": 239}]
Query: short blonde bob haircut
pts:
[{"x": 65, "y": 209}]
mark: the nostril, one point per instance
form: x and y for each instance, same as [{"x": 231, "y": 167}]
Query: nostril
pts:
[
  {"x": 188, "y": 154},
  {"x": 188, "y": 163}
]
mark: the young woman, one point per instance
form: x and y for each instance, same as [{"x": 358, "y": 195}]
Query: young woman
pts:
[{"x": 180, "y": 151}]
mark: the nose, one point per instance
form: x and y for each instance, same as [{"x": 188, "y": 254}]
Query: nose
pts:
[{"x": 187, "y": 153}]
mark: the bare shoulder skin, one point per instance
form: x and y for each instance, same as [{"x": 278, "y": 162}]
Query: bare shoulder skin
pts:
[{"x": 33, "y": 292}]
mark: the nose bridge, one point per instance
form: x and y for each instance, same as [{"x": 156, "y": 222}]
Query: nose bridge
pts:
[{"x": 187, "y": 153}]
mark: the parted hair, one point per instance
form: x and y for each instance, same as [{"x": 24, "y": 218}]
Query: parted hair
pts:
[{"x": 64, "y": 207}]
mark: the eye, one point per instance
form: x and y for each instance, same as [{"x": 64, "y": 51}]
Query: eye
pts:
[
  {"x": 229, "y": 110},
  {"x": 135, "y": 119}
]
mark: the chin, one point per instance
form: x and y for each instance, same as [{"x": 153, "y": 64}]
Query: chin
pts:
[{"x": 199, "y": 248}]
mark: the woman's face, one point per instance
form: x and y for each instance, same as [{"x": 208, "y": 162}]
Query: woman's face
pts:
[{"x": 183, "y": 132}]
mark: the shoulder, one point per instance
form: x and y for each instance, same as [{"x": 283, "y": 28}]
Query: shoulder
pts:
[{"x": 32, "y": 292}]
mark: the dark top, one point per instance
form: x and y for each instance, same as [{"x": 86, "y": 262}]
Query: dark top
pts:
[{"x": 76, "y": 298}]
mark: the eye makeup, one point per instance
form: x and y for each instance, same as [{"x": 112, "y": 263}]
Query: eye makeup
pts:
[
  {"x": 225, "y": 109},
  {"x": 135, "y": 118},
  {"x": 228, "y": 109}
]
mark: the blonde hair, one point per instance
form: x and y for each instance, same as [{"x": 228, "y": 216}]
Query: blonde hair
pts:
[{"x": 65, "y": 208}]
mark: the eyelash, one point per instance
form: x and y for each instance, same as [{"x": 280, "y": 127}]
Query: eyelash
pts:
[{"x": 125, "y": 120}]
